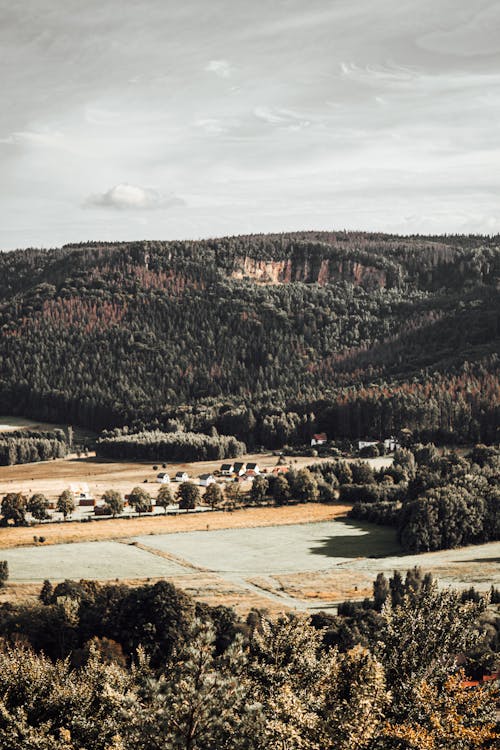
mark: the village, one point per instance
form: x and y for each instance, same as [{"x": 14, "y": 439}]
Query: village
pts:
[{"x": 85, "y": 479}]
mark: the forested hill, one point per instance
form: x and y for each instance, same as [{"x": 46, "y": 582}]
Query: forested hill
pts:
[{"x": 268, "y": 335}]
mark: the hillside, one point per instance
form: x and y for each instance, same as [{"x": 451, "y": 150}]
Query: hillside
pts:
[{"x": 268, "y": 337}]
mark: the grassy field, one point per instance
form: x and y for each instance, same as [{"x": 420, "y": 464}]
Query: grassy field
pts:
[
  {"x": 278, "y": 549},
  {"x": 299, "y": 565},
  {"x": 122, "y": 528}
]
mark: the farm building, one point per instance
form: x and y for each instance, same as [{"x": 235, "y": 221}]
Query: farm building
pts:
[
  {"x": 226, "y": 470},
  {"x": 319, "y": 439},
  {"x": 182, "y": 476},
  {"x": 253, "y": 468},
  {"x": 206, "y": 479},
  {"x": 239, "y": 468},
  {"x": 163, "y": 477},
  {"x": 82, "y": 494}
]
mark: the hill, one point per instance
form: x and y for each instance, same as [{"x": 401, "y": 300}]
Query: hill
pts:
[{"x": 268, "y": 337}]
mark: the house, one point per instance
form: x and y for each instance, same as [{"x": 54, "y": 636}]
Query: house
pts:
[
  {"x": 181, "y": 476},
  {"x": 254, "y": 468},
  {"x": 205, "y": 480},
  {"x": 280, "y": 470},
  {"x": 319, "y": 439},
  {"x": 163, "y": 478},
  {"x": 226, "y": 470},
  {"x": 366, "y": 443},
  {"x": 250, "y": 474},
  {"x": 391, "y": 444},
  {"x": 239, "y": 469}
]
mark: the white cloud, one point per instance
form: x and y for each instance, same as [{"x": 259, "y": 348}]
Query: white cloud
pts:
[
  {"x": 221, "y": 68},
  {"x": 132, "y": 197}
]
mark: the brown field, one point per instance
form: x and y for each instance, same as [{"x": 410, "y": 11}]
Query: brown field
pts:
[
  {"x": 122, "y": 528},
  {"x": 329, "y": 586}
]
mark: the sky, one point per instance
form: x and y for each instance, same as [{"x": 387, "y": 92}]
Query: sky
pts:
[{"x": 124, "y": 120}]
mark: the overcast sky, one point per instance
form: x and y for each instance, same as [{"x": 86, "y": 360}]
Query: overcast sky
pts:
[{"x": 194, "y": 118}]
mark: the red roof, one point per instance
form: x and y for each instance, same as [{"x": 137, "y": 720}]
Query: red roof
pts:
[{"x": 320, "y": 436}]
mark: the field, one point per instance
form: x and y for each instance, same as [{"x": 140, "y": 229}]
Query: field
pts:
[
  {"x": 301, "y": 557},
  {"x": 303, "y": 566},
  {"x": 52, "y": 477},
  {"x": 121, "y": 528}
]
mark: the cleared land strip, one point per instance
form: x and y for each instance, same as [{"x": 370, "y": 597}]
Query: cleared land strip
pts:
[
  {"x": 117, "y": 528},
  {"x": 167, "y": 556}
]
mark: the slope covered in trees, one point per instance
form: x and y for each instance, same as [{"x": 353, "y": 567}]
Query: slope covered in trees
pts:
[{"x": 266, "y": 337}]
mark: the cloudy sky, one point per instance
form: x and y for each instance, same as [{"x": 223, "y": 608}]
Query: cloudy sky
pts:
[{"x": 195, "y": 118}]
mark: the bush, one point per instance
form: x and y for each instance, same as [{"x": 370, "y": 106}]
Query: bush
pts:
[
  {"x": 4, "y": 572},
  {"x": 384, "y": 514}
]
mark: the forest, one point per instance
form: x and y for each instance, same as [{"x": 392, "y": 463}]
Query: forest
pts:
[
  {"x": 173, "y": 446},
  {"x": 106, "y": 666},
  {"x": 26, "y": 446},
  {"x": 265, "y": 337}
]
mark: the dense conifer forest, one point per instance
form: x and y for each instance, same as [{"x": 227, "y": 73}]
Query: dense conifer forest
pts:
[{"x": 268, "y": 338}]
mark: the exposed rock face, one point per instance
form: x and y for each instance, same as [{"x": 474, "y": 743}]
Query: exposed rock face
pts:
[
  {"x": 318, "y": 271},
  {"x": 265, "y": 271}
]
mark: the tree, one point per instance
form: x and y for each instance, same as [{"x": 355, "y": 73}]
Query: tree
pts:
[
  {"x": 281, "y": 490},
  {"x": 66, "y": 503},
  {"x": 381, "y": 591},
  {"x": 209, "y": 701},
  {"x": 4, "y": 572},
  {"x": 259, "y": 490},
  {"x": 14, "y": 508},
  {"x": 449, "y": 717},
  {"x": 232, "y": 494},
  {"x": 213, "y": 495},
  {"x": 313, "y": 698},
  {"x": 164, "y": 497},
  {"x": 38, "y": 506},
  {"x": 305, "y": 486},
  {"x": 343, "y": 472},
  {"x": 46, "y": 592},
  {"x": 114, "y": 500},
  {"x": 51, "y": 706},
  {"x": 188, "y": 496},
  {"x": 140, "y": 500},
  {"x": 362, "y": 473},
  {"x": 421, "y": 639}
]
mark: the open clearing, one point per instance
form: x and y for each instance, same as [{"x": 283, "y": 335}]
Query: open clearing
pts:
[
  {"x": 11, "y": 424},
  {"x": 303, "y": 565}
]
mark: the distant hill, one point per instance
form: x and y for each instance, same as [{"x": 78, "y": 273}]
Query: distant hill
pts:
[{"x": 269, "y": 335}]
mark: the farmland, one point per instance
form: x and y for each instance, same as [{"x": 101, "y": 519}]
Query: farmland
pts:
[
  {"x": 305, "y": 566},
  {"x": 53, "y": 477}
]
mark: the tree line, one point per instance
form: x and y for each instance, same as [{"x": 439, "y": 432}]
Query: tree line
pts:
[
  {"x": 446, "y": 500},
  {"x": 27, "y": 446},
  {"x": 173, "y": 446}
]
